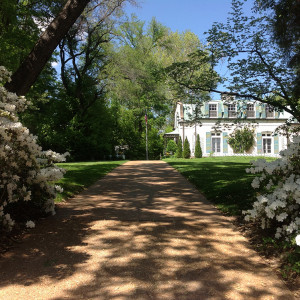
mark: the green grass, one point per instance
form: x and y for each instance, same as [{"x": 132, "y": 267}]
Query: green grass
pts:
[
  {"x": 223, "y": 180},
  {"x": 81, "y": 175}
]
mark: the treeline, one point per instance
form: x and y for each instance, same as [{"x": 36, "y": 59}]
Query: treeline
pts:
[{"x": 108, "y": 71}]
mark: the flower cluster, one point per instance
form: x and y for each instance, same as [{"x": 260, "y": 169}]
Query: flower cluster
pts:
[
  {"x": 278, "y": 200},
  {"x": 27, "y": 172}
]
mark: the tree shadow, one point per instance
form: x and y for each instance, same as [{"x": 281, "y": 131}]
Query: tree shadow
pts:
[{"x": 142, "y": 232}]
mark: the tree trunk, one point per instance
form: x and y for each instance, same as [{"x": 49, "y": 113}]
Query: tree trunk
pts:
[{"x": 27, "y": 73}]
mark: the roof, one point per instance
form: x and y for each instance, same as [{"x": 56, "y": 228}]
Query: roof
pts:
[{"x": 175, "y": 132}]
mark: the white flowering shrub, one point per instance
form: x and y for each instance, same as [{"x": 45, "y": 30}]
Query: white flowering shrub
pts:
[
  {"x": 27, "y": 172},
  {"x": 278, "y": 200}
]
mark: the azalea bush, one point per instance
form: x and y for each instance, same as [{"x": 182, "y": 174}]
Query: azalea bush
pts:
[
  {"x": 28, "y": 174},
  {"x": 278, "y": 200}
]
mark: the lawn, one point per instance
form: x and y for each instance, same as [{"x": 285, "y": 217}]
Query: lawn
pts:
[
  {"x": 81, "y": 175},
  {"x": 223, "y": 180}
]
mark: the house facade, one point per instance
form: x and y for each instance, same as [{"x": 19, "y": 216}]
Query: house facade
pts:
[{"x": 214, "y": 121}]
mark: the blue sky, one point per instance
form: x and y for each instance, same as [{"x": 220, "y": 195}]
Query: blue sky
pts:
[{"x": 194, "y": 15}]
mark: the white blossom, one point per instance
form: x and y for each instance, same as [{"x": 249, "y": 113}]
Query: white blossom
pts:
[
  {"x": 30, "y": 224},
  {"x": 27, "y": 171}
]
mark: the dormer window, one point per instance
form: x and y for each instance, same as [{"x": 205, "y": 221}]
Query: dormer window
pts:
[
  {"x": 213, "y": 113},
  {"x": 250, "y": 110},
  {"x": 231, "y": 111},
  {"x": 269, "y": 111}
]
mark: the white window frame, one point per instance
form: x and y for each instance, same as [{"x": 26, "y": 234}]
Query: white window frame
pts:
[
  {"x": 216, "y": 136},
  {"x": 250, "y": 110},
  {"x": 232, "y": 110},
  {"x": 270, "y": 112},
  {"x": 267, "y": 136},
  {"x": 213, "y": 113}
]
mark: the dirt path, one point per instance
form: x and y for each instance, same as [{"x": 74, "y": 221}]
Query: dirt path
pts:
[{"x": 142, "y": 232}]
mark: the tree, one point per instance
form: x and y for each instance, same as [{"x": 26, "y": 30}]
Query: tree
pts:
[
  {"x": 186, "y": 149},
  {"x": 171, "y": 146},
  {"x": 29, "y": 70},
  {"x": 198, "y": 150},
  {"x": 258, "y": 68},
  {"x": 285, "y": 26},
  {"x": 179, "y": 148}
]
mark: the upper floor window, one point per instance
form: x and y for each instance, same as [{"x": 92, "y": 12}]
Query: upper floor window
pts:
[
  {"x": 213, "y": 113},
  {"x": 250, "y": 110},
  {"x": 269, "y": 111},
  {"x": 231, "y": 111}
]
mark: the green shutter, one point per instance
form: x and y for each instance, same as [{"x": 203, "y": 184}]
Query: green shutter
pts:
[
  {"x": 208, "y": 142},
  {"x": 219, "y": 110},
  {"x": 277, "y": 114},
  {"x": 225, "y": 111},
  {"x": 276, "y": 144},
  {"x": 206, "y": 109},
  {"x": 239, "y": 110},
  {"x": 259, "y": 143},
  {"x": 257, "y": 109},
  {"x": 225, "y": 142},
  {"x": 244, "y": 111},
  {"x": 263, "y": 111}
]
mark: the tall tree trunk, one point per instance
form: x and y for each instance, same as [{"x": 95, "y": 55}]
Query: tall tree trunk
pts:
[{"x": 27, "y": 73}]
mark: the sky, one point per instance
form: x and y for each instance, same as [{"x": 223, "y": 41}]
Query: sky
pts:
[{"x": 194, "y": 15}]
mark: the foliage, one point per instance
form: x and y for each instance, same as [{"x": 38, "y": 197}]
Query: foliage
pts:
[
  {"x": 81, "y": 175},
  {"x": 256, "y": 68},
  {"x": 277, "y": 205},
  {"x": 21, "y": 23},
  {"x": 285, "y": 28},
  {"x": 179, "y": 148},
  {"x": 136, "y": 71},
  {"x": 198, "y": 150},
  {"x": 241, "y": 140},
  {"x": 171, "y": 146},
  {"x": 26, "y": 187},
  {"x": 186, "y": 149}
]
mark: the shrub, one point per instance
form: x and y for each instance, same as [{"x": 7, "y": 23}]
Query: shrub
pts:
[
  {"x": 198, "y": 150},
  {"x": 171, "y": 146},
  {"x": 186, "y": 149},
  {"x": 26, "y": 190},
  {"x": 179, "y": 148},
  {"x": 278, "y": 202},
  {"x": 241, "y": 140}
]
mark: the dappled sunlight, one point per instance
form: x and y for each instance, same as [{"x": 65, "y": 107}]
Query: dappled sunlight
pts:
[{"x": 138, "y": 239}]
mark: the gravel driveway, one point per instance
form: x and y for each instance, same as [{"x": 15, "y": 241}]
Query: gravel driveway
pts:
[{"x": 141, "y": 232}]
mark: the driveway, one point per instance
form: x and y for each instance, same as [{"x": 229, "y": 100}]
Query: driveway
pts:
[{"x": 141, "y": 232}]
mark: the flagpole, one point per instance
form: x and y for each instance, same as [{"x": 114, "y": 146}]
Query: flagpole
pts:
[{"x": 146, "y": 119}]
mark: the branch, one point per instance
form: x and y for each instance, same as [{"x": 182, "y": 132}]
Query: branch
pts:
[{"x": 251, "y": 96}]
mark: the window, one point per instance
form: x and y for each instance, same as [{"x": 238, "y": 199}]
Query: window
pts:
[
  {"x": 216, "y": 142},
  {"x": 231, "y": 111},
  {"x": 213, "y": 113},
  {"x": 269, "y": 111},
  {"x": 267, "y": 142},
  {"x": 250, "y": 110}
]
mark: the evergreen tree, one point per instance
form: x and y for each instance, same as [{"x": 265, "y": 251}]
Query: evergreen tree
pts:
[
  {"x": 179, "y": 148},
  {"x": 186, "y": 149},
  {"x": 171, "y": 146},
  {"x": 198, "y": 150}
]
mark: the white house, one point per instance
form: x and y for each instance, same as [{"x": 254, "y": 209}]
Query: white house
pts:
[{"x": 216, "y": 120}]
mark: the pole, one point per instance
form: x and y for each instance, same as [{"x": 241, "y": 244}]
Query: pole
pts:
[{"x": 146, "y": 119}]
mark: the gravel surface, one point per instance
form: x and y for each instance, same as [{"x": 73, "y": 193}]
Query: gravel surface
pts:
[{"x": 141, "y": 232}]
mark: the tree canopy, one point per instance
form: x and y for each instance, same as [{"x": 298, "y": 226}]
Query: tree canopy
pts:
[{"x": 257, "y": 67}]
